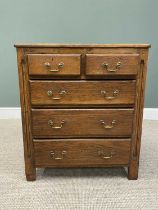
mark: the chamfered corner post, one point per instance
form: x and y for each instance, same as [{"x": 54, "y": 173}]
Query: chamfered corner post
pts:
[
  {"x": 30, "y": 170},
  {"x": 138, "y": 116}
]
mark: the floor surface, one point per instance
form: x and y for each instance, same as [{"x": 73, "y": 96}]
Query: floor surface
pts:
[{"x": 73, "y": 189}]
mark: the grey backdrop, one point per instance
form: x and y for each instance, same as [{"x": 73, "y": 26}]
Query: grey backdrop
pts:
[{"x": 77, "y": 21}]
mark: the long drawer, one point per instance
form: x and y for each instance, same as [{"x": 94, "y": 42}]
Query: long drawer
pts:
[
  {"x": 92, "y": 152},
  {"x": 52, "y": 123},
  {"x": 82, "y": 92}
]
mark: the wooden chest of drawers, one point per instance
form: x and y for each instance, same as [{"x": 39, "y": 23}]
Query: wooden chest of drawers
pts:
[{"x": 82, "y": 105}]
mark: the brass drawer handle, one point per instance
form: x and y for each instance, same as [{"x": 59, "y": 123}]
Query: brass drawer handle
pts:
[
  {"x": 48, "y": 65},
  {"x": 60, "y": 156},
  {"x": 105, "y": 155},
  {"x": 50, "y": 94},
  {"x": 106, "y": 66},
  {"x": 113, "y": 123},
  {"x": 51, "y": 124},
  {"x": 114, "y": 94}
]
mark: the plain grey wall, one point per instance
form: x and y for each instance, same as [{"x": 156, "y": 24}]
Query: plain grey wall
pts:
[{"x": 77, "y": 21}]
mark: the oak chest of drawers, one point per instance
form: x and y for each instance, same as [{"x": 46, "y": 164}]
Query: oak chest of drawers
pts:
[{"x": 82, "y": 105}]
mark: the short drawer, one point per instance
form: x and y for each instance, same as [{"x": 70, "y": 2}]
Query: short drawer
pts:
[
  {"x": 112, "y": 64},
  {"x": 54, "y": 64},
  {"x": 82, "y": 93},
  {"x": 60, "y": 123},
  {"x": 75, "y": 153}
]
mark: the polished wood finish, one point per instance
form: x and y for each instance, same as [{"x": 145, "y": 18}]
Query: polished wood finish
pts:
[
  {"x": 37, "y": 64},
  {"x": 82, "y": 122},
  {"x": 82, "y": 93},
  {"x": 81, "y": 153},
  {"x": 97, "y": 93}
]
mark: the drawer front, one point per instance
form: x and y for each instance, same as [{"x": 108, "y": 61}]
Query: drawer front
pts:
[
  {"x": 60, "y": 123},
  {"x": 82, "y": 93},
  {"x": 54, "y": 64},
  {"x": 92, "y": 152},
  {"x": 112, "y": 64}
]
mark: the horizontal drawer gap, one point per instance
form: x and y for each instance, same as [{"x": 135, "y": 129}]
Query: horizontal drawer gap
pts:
[
  {"x": 82, "y": 137},
  {"x": 75, "y": 166},
  {"x": 86, "y": 80},
  {"x": 86, "y": 139},
  {"x": 81, "y": 79},
  {"x": 79, "y": 107}
]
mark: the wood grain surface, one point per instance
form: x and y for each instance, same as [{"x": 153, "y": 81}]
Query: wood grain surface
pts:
[
  {"x": 37, "y": 65},
  {"x": 129, "y": 64},
  {"x": 81, "y": 122},
  {"x": 80, "y": 93},
  {"x": 36, "y": 45},
  {"x": 81, "y": 153},
  {"x": 76, "y": 108}
]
